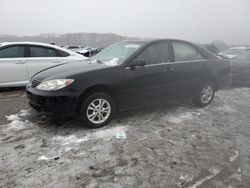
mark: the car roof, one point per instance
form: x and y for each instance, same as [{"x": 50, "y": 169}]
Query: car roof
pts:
[
  {"x": 39, "y": 44},
  {"x": 30, "y": 43},
  {"x": 150, "y": 40}
]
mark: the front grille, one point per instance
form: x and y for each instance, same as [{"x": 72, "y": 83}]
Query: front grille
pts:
[{"x": 35, "y": 82}]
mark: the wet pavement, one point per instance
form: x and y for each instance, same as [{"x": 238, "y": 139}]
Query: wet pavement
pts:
[{"x": 170, "y": 145}]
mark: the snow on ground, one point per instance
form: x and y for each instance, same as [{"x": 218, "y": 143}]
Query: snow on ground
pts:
[
  {"x": 181, "y": 115},
  {"x": 106, "y": 133},
  {"x": 18, "y": 121},
  {"x": 170, "y": 146}
]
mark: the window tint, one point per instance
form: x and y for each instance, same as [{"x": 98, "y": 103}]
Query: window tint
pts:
[
  {"x": 185, "y": 52},
  {"x": 42, "y": 52},
  {"x": 244, "y": 56},
  {"x": 62, "y": 53},
  {"x": 12, "y": 52},
  {"x": 155, "y": 53}
]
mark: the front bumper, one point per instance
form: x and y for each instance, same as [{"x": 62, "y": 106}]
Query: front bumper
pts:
[{"x": 52, "y": 103}]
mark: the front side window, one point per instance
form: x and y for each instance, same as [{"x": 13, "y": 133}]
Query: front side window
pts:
[
  {"x": 12, "y": 52},
  {"x": 117, "y": 53},
  {"x": 185, "y": 52},
  {"x": 155, "y": 53},
  {"x": 36, "y": 51},
  {"x": 244, "y": 56}
]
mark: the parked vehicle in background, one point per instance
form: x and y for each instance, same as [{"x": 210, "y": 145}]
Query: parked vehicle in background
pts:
[
  {"x": 241, "y": 68},
  {"x": 129, "y": 74},
  {"x": 74, "y": 48},
  {"x": 88, "y": 51},
  {"x": 232, "y": 52},
  {"x": 19, "y": 61}
]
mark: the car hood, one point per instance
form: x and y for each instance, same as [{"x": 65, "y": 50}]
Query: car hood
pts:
[{"x": 67, "y": 70}]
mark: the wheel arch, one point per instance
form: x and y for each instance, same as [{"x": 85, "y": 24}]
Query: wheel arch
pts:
[
  {"x": 214, "y": 80},
  {"x": 93, "y": 89}
]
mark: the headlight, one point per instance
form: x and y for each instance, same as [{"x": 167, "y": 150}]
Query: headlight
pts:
[{"x": 53, "y": 85}]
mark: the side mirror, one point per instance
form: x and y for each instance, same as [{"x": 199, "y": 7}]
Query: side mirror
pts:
[{"x": 137, "y": 63}]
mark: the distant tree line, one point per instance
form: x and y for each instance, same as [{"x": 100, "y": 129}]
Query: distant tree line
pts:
[{"x": 83, "y": 39}]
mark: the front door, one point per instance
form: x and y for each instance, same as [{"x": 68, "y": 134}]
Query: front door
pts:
[
  {"x": 150, "y": 83},
  {"x": 13, "y": 66}
]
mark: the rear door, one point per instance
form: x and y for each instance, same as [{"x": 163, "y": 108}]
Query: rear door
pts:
[
  {"x": 13, "y": 66},
  {"x": 241, "y": 67},
  {"x": 43, "y": 57},
  {"x": 190, "y": 67},
  {"x": 148, "y": 84}
]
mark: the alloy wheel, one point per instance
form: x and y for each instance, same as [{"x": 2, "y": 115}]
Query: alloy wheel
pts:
[{"x": 98, "y": 111}]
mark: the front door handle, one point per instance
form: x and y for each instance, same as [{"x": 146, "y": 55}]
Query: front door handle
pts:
[{"x": 20, "y": 62}]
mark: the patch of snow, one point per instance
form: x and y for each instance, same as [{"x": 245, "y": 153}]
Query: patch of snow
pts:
[
  {"x": 43, "y": 158},
  {"x": 13, "y": 117},
  {"x": 17, "y": 123},
  {"x": 185, "y": 178},
  {"x": 214, "y": 170},
  {"x": 100, "y": 134},
  {"x": 226, "y": 108},
  {"x": 24, "y": 113},
  {"x": 106, "y": 133},
  {"x": 236, "y": 154},
  {"x": 200, "y": 182},
  {"x": 67, "y": 140},
  {"x": 178, "y": 118}
]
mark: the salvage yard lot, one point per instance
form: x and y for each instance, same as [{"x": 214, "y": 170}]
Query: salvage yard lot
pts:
[{"x": 171, "y": 145}]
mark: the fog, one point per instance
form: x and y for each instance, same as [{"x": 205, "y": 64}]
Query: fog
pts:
[{"x": 196, "y": 20}]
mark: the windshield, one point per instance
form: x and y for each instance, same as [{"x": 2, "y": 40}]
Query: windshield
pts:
[
  {"x": 117, "y": 53},
  {"x": 232, "y": 51}
]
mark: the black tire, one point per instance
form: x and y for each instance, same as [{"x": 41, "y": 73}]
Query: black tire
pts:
[
  {"x": 85, "y": 106},
  {"x": 198, "y": 99}
]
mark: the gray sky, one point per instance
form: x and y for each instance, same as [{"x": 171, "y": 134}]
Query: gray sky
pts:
[{"x": 195, "y": 20}]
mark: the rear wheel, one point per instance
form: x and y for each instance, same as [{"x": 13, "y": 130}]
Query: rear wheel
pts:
[
  {"x": 97, "y": 110},
  {"x": 205, "y": 95}
]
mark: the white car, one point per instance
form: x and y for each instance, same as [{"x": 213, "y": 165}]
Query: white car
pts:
[
  {"x": 74, "y": 48},
  {"x": 232, "y": 52},
  {"x": 19, "y": 61}
]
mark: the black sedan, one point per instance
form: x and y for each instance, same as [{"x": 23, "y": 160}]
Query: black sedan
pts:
[
  {"x": 128, "y": 74},
  {"x": 241, "y": 69}
]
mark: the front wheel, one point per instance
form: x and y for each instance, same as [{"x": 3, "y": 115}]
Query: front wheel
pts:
[
  {"x": 205, "y": 95},
  {"x": 97, "y": 110}
]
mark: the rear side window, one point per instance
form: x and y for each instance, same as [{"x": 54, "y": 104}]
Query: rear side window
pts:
[
  {"x": 155, "y": 53},
  {"x": 12, "y": 52},
  {"x": 36, "y": 51},
  {"x": 62, "y": 53},
  {"x": 185, "y": 52}
]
